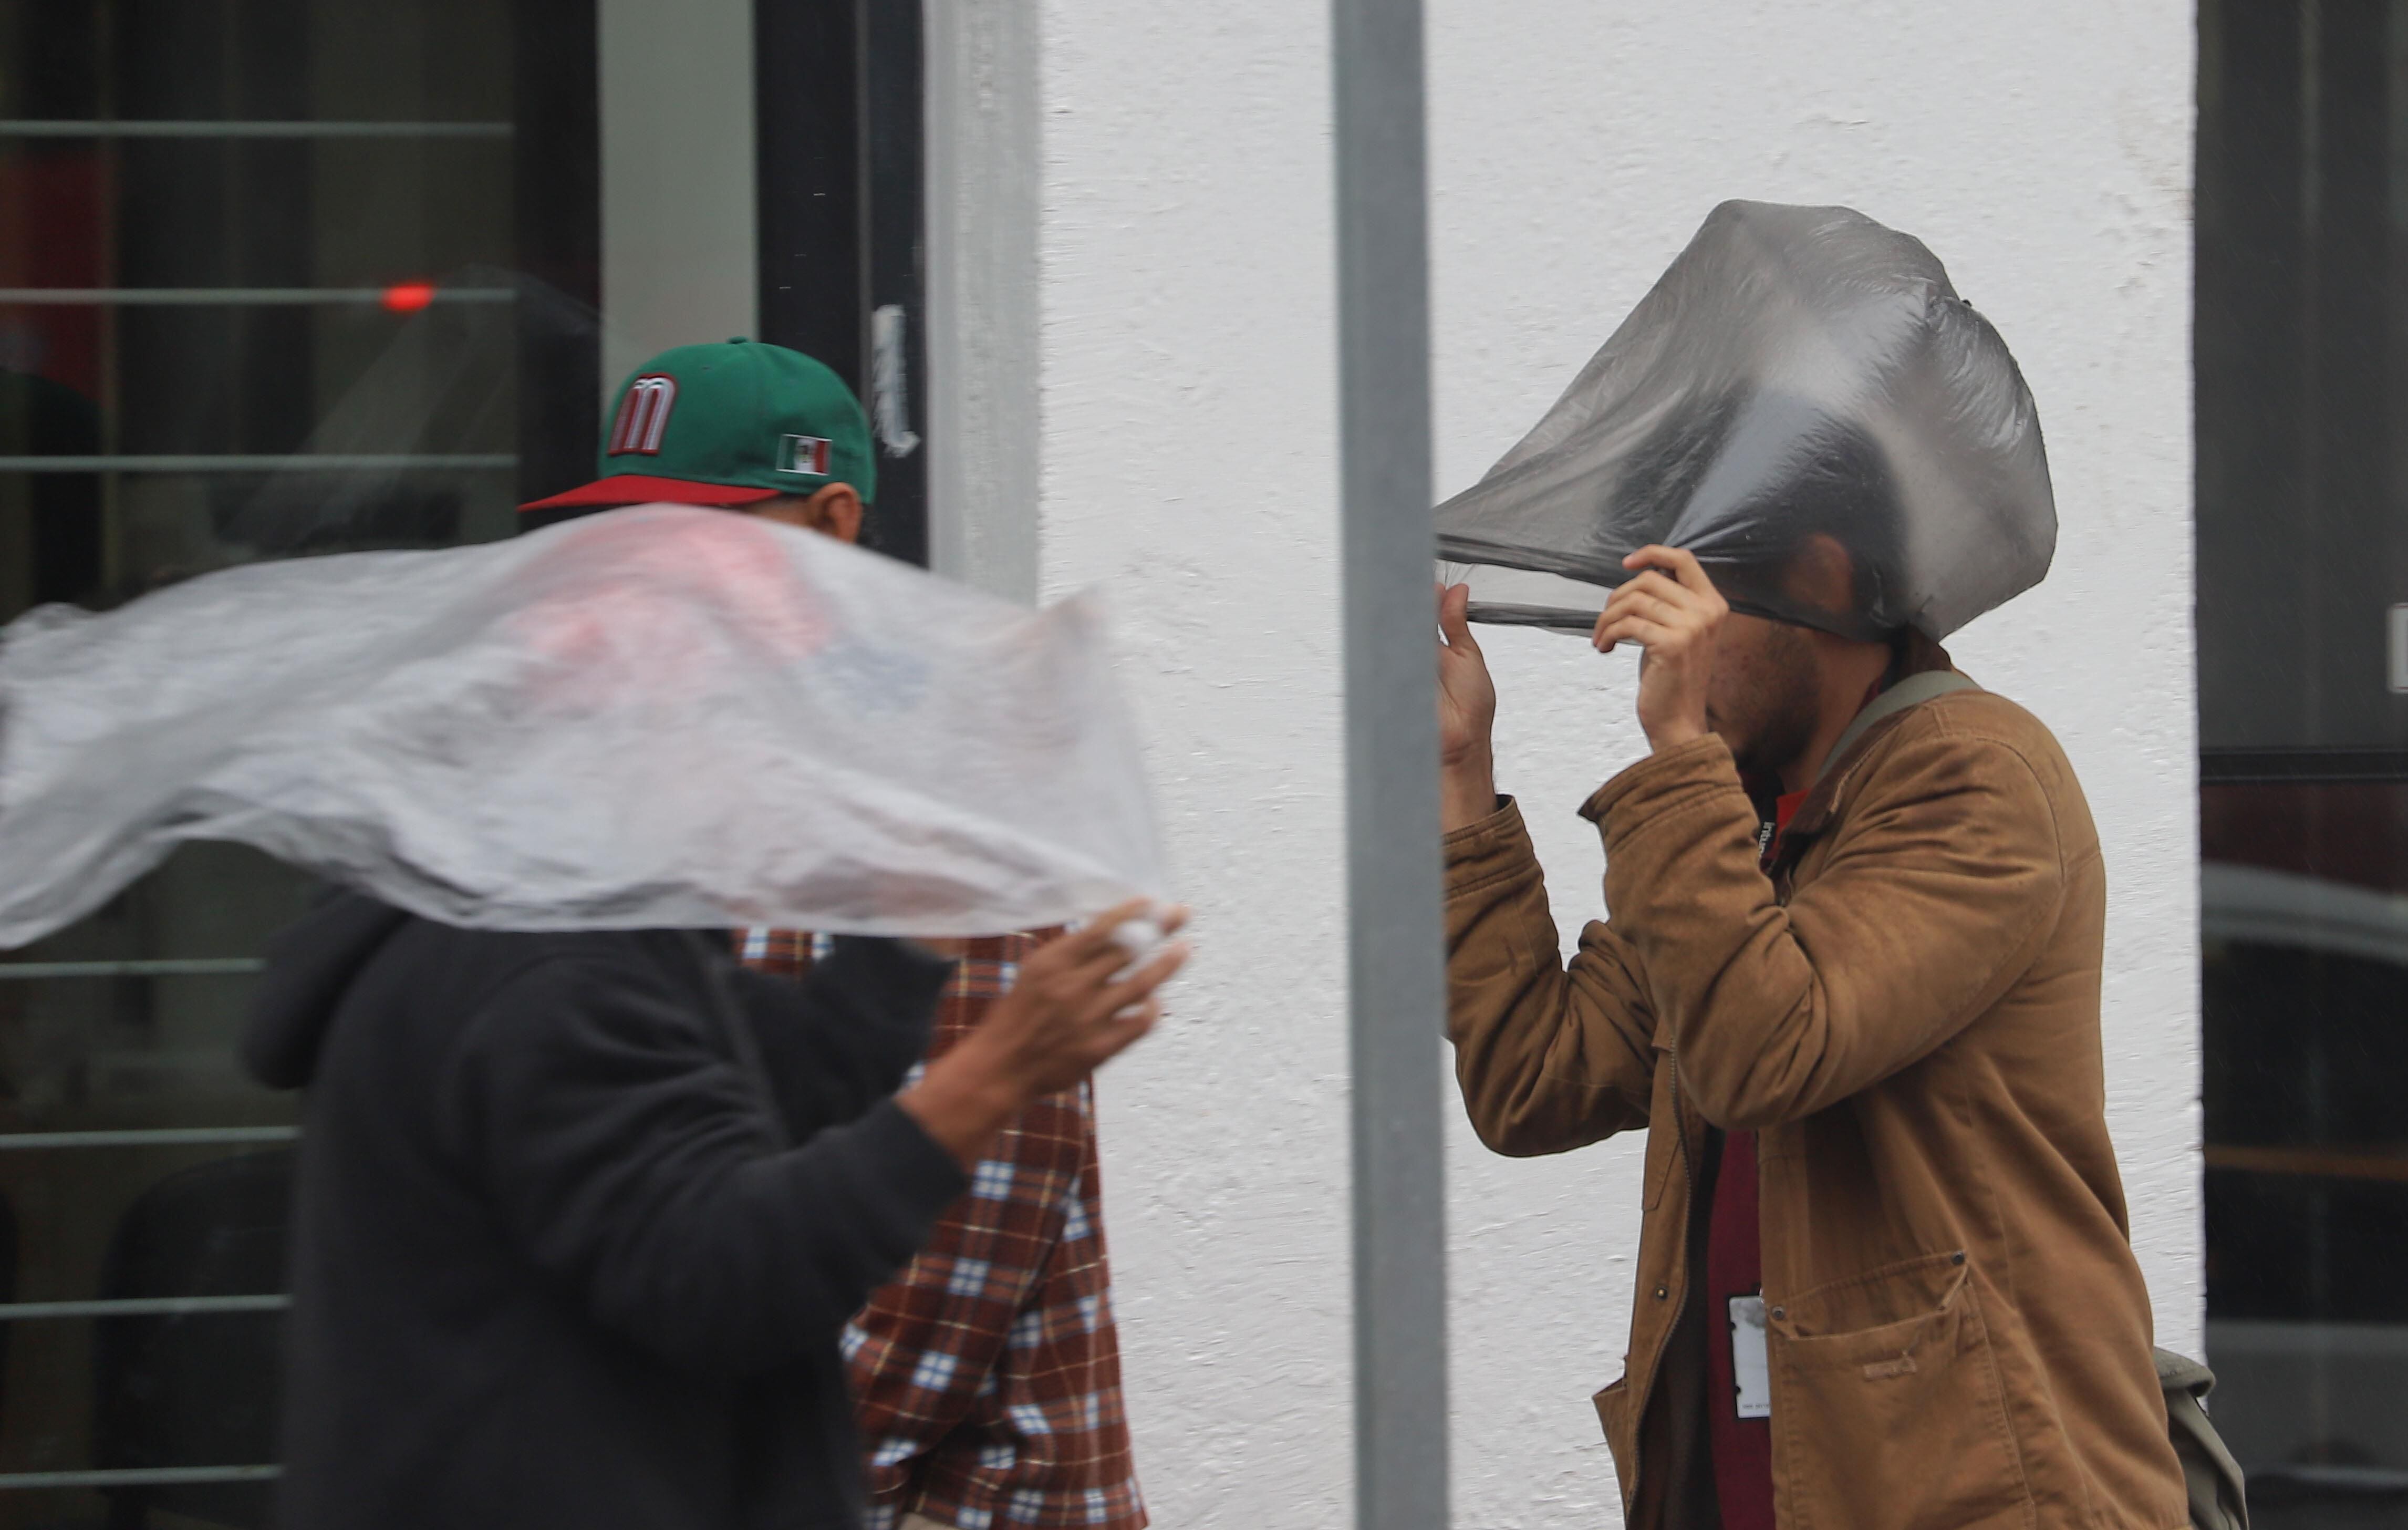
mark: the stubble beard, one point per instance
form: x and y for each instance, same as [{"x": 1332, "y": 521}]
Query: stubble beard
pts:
[{"x": 1779, "y": 705}]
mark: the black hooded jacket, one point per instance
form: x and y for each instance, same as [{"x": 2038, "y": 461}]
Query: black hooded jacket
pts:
[{"x": 579, "y": 1220}]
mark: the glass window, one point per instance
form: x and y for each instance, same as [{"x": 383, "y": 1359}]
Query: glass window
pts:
[
  {"x": 2302, "y": 475},
  {"x": 284, "y": 278},
  {"x": 278, "y": 278}
]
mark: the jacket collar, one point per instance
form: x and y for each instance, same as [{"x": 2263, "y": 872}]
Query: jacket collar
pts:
[{"x": 1850, "y": 750}]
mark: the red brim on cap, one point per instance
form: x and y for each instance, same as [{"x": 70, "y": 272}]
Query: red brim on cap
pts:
[{"x": 637, "y": 489}]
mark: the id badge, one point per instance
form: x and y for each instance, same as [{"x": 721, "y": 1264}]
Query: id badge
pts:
[{"x": 1750, "y": 1366}]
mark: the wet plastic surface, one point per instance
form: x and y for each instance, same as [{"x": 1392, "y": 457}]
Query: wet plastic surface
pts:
[
  {"x": 1804, "y": 402},
  {"x": 661, "y": 716}
]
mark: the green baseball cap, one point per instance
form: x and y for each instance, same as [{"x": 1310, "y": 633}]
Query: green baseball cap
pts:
[{"x": 728, "y": 424}]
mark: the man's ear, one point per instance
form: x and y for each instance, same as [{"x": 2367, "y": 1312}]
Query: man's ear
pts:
[
  {"x": 834, "y": 511},
  {"x": 1822, "y": 576}
]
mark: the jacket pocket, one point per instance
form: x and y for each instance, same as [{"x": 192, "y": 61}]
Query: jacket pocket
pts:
[
  {"x": 1887, "y": 1410},
  {"x": 1621, "y": 1432}
]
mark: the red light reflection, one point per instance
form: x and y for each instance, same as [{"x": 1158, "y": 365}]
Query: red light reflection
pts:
[{"x": 408, "y": 296}]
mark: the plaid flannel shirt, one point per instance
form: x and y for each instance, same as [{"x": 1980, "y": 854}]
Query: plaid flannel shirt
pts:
[{"x": 987, "y": 1375}]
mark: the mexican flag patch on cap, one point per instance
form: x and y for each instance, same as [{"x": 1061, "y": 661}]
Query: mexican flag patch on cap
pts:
[{"x": 731, "y": 423}]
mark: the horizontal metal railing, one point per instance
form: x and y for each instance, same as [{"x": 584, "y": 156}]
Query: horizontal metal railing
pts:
[
  {"x": 246, "y": 297},
  {"x": 28, "y": 971},
  {"x": 167, "y": 1136},
  {"x": 307, "y": 462},
  {"x": 141, "y": 1306},
  {"x": 2311, "y": 1162},
  {"x": 186, "y": 1136},
  {"x": 160, "y": 1136},
  {"x": 46, "y": 127},
  {"x": 138, "y": 1477}
]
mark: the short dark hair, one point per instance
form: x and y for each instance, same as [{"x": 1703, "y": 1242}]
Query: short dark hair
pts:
[{"x": 1823, "y": 486}]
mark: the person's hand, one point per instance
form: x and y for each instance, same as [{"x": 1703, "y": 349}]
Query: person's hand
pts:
[
  {"x": 1467, "y": 710},
  {"x": 1077, "y": 1004},
  {"x": 1672, "y": 610}
]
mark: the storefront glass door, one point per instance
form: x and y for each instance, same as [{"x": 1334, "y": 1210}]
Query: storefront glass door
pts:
[
  {"x": 277, "y": 278},
  {"x": 2302, "y": 427}
]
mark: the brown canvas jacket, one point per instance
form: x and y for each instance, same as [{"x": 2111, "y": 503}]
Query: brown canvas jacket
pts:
[{"x": 1906, "y": 1010}]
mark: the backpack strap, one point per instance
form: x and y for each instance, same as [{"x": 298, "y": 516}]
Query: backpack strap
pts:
[
  {"x": 2218, "y": 1491},
  {"x": 1913, "y": 690}
]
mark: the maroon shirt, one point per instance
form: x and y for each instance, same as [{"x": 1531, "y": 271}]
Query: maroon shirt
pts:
[{"x": 1743, "y": 1447}]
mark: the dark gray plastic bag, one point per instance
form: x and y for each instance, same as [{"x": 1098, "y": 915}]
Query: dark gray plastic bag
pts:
[{"x": 1804, "y": 402}]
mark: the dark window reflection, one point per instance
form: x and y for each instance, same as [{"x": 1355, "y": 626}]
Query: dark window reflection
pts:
[
  {"x": 275, "y": 281},
  {"x": 2302, "y": 346}
]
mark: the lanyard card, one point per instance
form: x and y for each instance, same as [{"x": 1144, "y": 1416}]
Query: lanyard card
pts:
[{"x": 1750, "y": 1367}]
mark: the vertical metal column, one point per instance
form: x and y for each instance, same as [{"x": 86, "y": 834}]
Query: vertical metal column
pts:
[{"x": 1398, "y": 965}]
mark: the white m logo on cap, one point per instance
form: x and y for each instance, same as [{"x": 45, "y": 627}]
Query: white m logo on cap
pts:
[{"x": 643, "y": 415}]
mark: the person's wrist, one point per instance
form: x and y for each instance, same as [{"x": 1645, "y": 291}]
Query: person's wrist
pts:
[
  {"x": 965, "y": 1098},
  {"x": 992, "y": 1074},
  {"x": 1662, "y": 738},
  {"x": 1466, "y": 790}
]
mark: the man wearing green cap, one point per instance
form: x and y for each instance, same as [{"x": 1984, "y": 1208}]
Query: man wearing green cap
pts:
[
  {"x": 742, "y": 425},
  {"x": 987, "y": 1374},
  {"x": 583, "y": 1216}
]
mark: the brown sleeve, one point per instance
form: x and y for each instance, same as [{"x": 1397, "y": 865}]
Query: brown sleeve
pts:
[
  {"x": 1940, "y": 887},
  {"x": 1549, "y": 1059}
]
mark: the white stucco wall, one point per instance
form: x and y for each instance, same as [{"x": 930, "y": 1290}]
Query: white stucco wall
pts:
[
  {"x": 1189, "y": 465},
  {"x": 1188, "y": 460}
]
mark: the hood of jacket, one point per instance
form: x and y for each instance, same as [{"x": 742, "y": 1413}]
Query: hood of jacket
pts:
[{"x": 311, "y": 966}]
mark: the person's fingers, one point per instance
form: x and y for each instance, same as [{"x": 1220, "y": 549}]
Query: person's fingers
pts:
[
  {"x": 1690, "y": 572},
  {"x": 1623, "y": 626},
  {"x": 1131, "y": 986},
  {"x": 1664, "y": 603},
  {"x": 1083, "y": 944},
  {"x": 1679, "y": 562},
  {"x": 1658, "y": 581},
  {"x": 1122, "y": 1030},
  {"x": 1142, "y": 983},
  {"x": 1080, "y": 979},
  {"x": 1654, "y": 582},
  {"x": 1455, "y": 619},
  {"x": 1096, "y": 968},
  {"x": 1625, "y": 629},
  {"x": 1075, "y": 989},
  {"x": 1060, "y": 976},
  {"x": 1634, "y": 602},
  {"x": 1084, "y": 1051},
  {"x": 1174, "y": 918}
]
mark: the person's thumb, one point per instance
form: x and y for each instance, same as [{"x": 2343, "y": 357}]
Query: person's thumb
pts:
[{"x": 1455, "y": 619}]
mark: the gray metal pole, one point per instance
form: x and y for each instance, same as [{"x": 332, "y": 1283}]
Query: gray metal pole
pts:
[{"x": 1398, "y": 965}]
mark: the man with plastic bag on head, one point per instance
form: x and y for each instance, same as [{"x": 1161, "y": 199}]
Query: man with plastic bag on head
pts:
[
  {"x": 584, "y": 1208},
  {"x": 985, "y": 1375},
  {"x": 1850, "y": 983}
]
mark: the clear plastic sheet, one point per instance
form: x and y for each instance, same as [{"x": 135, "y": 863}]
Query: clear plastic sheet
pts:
[
  {"x": 661, "y": 716},
  {"x": 1804, "y": 402}
]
